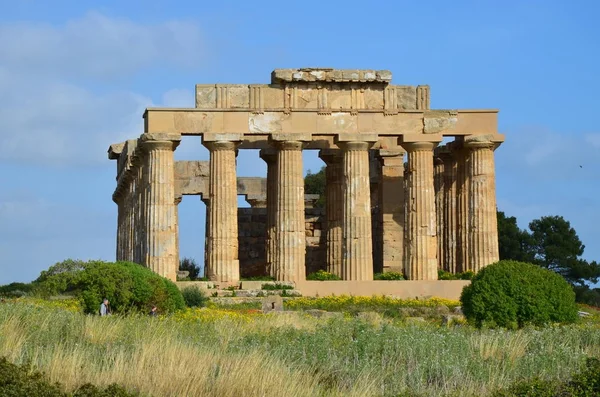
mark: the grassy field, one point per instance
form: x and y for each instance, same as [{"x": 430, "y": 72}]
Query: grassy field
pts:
[{"x": 218, "y": 352}]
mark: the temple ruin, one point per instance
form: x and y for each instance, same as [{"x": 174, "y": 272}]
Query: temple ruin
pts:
[{"x": 396, "y": 199}]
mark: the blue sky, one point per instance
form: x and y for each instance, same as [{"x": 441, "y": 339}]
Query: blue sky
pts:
[{"x": 76, "y": 75}]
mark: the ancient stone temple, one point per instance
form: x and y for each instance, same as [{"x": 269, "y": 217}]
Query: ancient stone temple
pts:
[{"x": 396, "y": 198}]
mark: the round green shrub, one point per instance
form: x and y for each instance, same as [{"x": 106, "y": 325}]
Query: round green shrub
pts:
[
  {"x": 388, "y": 276},
  {"x": 513, "y": 294},
  {"x": 322, "y": 275},
  {"x": 128, "y": 286},
  {"x": 194, "y": 297}
]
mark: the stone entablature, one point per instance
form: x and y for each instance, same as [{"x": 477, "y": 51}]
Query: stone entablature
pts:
[{"x": 435, "y": 211}]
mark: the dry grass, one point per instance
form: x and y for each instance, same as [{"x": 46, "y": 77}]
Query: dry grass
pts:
[{"x": 288, "y": 354}]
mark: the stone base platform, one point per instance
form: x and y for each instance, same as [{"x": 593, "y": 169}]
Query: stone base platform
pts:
[{"x": 405, "y": 289}]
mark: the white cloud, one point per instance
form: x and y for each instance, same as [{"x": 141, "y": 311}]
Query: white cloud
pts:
[
  {"x": 98, "y": 46},
  {"x": 55, "y": 108}
]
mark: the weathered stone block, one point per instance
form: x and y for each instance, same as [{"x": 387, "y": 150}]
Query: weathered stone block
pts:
[{"x": 272, "y": 303}]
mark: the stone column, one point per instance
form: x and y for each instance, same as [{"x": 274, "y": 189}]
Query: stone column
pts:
[
  {"x": 127, "y": 221},
  {"x": 120, "y": 199},
  {"x": 450, "y": 231},
  {"x": 177, "y": 255},
  {"x": 462, "y": 204},
  {"x": 421, "y": 239},
  {"x": 206, "y": 201},
  {"x": 483, "y": 224},
  {"x": 334, "y": 194},
  {"x": 222, "y": 263},
  {"x": 438, "y": 183},
  {"x": 138, "y": 199},
  {"x": 270, "y": 157},
  {"x": 357, "y": 262},
  {"x": 392, "y": 207},
  {"x": 159, "y": 207},
  {"x": 290, "y": 243}
]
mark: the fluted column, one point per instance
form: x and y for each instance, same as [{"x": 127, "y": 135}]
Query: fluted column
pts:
[
  {"x": 161, "y": 233},
  {"x": 121, "y": 227},
  {"x": 438, "y": 182},
  {"x": 138, "y": 199},
  {"x": 334, "y": 193},
  {"x": 290, "y": 236},
  {"x": 270, "y": 157},
  {"x": 392, "y": 207},
  {"x": 357, "y": 262},
  {"x": 421, "y": 239},
  {"x": 222, "y": 263},
  {"x": 177, "y": 255},
  {"x": 483, "y": 225},
  {"x": 462, "y": 203},
  {"x": 450, "y": 230}
]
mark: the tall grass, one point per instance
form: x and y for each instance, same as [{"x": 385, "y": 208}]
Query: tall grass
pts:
[{"x": 285, "y": 354}]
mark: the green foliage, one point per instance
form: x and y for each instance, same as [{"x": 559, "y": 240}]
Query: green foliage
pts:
[
  {"x": 322, "y": 275},
  {"x": 15, "y": 290},
  {"x": 557, "y": 247},
  {"x": 513, "y": 294},
  {"x": 587, "y": 295},
  {"x": 190, "y": 265},
  {"x": 444, "y": 275},
  {"x": 276, "y": 286},
  {"x": 18, "y": 381},
  {"x": 315, "y": 184},
  {"x": 128, "y": 286},
  {"x": 388, "y": 276},
  {"x": 194, "y": 297},
  {"x": 60, "y": 278},
  {"x": 258, "y": 278},
  {"x": 513, "y": 243},
  {"x": 585, "y": 383}
]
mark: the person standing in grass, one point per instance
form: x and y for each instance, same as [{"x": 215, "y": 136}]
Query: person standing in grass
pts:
[
  {"x": 104, "y": 308},
  {"x": 153, "y": 312}
]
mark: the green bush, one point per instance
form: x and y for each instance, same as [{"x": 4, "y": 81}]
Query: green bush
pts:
[
  {"x": 18, "y": 381},
  {"x": 388, "y": 276},
  {"x": 585, "y": 383},
  {"x": 322, "y": 275},
  {"x": 444, "y": 275},
  {"x": 276, "y": 286},
  {"x": 258, "y": 278},
  {"x": 513, "y": 294},
  {"x": 60, "y": 278},
  {"x": 15, "y": 290},
  {"x": 194, "y": 297},
  {"x": 128, "y": 286}
]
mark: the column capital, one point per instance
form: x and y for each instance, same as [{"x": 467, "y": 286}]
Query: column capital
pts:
[
  {"x": 151, "y": 145},
  {"x": 257, "y": 200},
  {"x": 331, "y": 156},
  {"x": 289, "y": 145},
  {"x": 390, "y": 157},
  {"x": 268, "y": 155},
  {"x": 477, "y": 145},
  {"x": 420, "y": 146},
  {"x": 221, "y": 145},
  {"x": 159, "y": 140},
  {"x": 354, "y": 145}
]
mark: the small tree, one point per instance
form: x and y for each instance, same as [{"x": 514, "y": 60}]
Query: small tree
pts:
[
  {"x": 315, "y": 184},
  {"x": 189, "y": 265}
]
